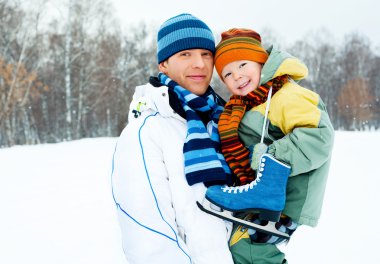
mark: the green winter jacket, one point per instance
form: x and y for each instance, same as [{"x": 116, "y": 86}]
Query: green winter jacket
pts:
[{"x": 299, "y": 133}]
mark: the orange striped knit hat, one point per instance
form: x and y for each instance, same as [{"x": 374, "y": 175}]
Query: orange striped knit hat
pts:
[{"x": 239, "y": 44}]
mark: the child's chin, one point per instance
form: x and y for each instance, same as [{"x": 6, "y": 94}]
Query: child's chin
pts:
[{"x": 244, "y": 92}]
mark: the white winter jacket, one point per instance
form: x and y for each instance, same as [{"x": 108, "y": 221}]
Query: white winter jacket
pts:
[{"x": 160, "y": 221}]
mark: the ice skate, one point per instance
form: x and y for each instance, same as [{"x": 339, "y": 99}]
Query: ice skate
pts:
[{"x": 265, "y": 195}]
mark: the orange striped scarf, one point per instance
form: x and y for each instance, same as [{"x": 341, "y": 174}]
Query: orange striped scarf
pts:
[{"x": 235, "y": 153}]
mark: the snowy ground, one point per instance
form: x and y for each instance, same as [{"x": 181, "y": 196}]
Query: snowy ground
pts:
[{"x": 56, "y": 205}]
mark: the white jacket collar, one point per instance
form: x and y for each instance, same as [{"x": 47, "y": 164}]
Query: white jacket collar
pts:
[{"x": 148, "y": 97}]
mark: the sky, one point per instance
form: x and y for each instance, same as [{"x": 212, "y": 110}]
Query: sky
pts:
[
  {"x": 57, "y": 207},
  {"x": 290, "y": 19}
]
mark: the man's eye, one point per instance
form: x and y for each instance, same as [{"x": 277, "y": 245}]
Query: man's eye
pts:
[
  {"x": 208, "y": 54},
  {"x": 185, "y": 54}
]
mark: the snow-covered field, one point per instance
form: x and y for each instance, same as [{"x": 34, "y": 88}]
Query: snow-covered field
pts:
[{"x": 56, "y": 205}]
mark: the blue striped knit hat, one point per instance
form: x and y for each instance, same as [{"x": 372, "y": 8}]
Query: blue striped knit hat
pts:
[{"x": 183, "y": 32}]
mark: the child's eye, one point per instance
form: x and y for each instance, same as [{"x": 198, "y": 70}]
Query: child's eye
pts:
[
  {"x": 242, "y": 65},
  {"x": 226, "y": 75}
]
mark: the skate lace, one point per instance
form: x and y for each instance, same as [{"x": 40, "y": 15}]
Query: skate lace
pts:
[{"x": 248, "y": 186}]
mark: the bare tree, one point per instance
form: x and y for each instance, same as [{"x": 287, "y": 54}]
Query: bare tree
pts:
[
  {"x": 353, "y": 66},
  {"x": 68, "y": 68},
  {"x": 19, "y": 78},
  {"x": 354, "y": 102}
]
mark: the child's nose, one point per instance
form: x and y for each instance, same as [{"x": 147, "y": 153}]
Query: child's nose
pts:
[{"x": 236, "y": 75}]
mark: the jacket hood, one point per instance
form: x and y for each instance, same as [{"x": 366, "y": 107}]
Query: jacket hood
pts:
[{"x": 280, "y": 63}]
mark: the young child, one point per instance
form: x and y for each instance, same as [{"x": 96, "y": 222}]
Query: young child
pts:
[{"x": 289, "y": 173}]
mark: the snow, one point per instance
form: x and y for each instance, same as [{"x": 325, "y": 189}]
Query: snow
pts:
[{"x": 57, "y": 207}]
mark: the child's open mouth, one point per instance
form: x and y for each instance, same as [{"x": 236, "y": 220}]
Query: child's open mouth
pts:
[{"x": 244, "y": 85}]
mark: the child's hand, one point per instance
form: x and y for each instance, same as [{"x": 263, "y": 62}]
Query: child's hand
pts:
[{"x": 257, "y": 151}]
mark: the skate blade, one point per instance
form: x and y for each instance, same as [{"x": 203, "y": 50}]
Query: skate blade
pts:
[{"x": 269, "y": 228}]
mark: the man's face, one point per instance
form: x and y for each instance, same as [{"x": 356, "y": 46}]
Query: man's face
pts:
[{"x": 192, "y": 69}]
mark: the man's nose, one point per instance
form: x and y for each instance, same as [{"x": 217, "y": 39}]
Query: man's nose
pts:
[{"x": 198, "y": 61}]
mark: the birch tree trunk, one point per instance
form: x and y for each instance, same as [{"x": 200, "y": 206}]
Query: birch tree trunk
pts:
[{"x": 68, "y": 71}]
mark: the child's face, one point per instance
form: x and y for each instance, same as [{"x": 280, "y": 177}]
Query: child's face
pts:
[{"x": 241, "y": 77}]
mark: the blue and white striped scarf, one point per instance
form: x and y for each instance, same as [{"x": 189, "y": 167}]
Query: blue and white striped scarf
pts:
[{"x": 204, "y": 161}]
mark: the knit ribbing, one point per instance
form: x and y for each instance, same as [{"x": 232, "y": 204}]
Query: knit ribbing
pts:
[{"x": 183, "y": 32}]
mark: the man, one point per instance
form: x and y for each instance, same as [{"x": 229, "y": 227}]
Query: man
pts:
[{"x": 169, "y": 152}]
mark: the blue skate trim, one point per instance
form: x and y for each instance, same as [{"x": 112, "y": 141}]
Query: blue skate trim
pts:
[
  {"x": 153, "y": 193},
  {"x": 270, "y": 215}
]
